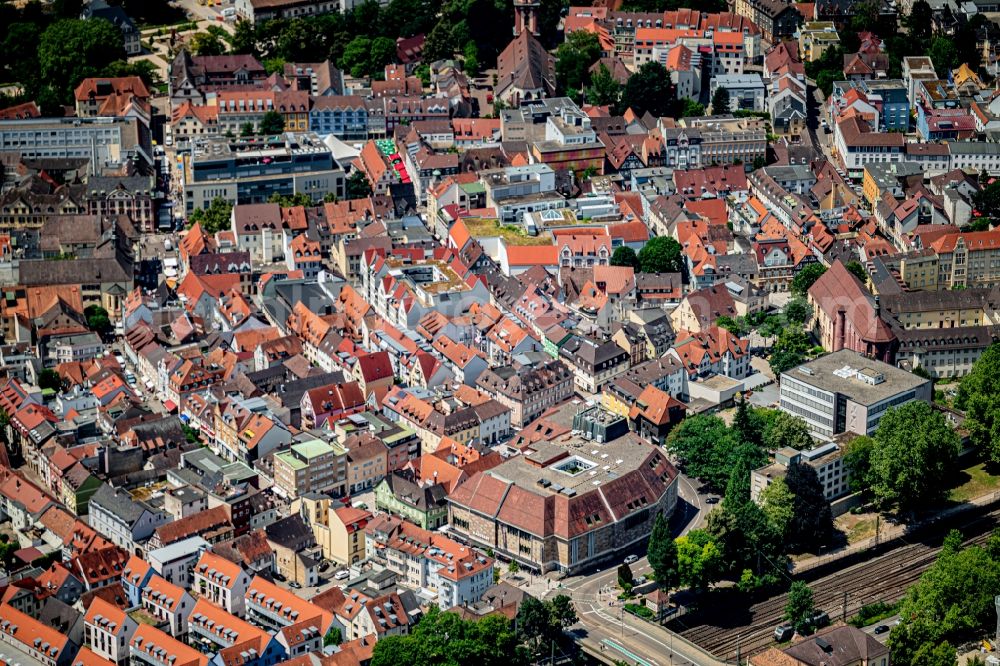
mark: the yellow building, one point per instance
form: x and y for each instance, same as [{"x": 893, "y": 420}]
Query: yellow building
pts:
[
  {"x": 815, "y": 37},
  {"x": 339, "y": 530}
]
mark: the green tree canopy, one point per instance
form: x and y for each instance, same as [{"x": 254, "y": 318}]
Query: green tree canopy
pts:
[
  {"x": 209, "y": 43},
  {"x": 272, "y": 122},
  {"x": 720, "y": 101},
  {"x": 573, "y": 60},
  {"x": 290, "y": 200},
  {"x": 812, "y": 521},
  {"x": 661, "y": 254},
  {"x": 648, "y": 90},
  {"x": 625, "y": 578},
  {"x": 625, "y": 256},
  {"x": 442, "y": 638},
  {"x": 914, "y": 451},
  {"x": 952, "y": 601},
  {"x": 705, "y": 447},
  {"x": 858, "y": 459},
  {"x": 799, "y": 607},
  {"x": 71, "y": 50},
  {"x": 604, "y": 89},
  {"x": 798, "y": 311},
  {"x": 856, "y": 269},
  {"x": 778, "y": 504},
  {"x": 358, "y": 186},
  {"x": 215, "y": 218},
  {"x": 97, "y": 319},
  {"x": 662, "y": 554},
  {"x": 979, "y": 396},
  {"x": 805, "y": 278},
  {"x": 699, "y": 560},
  {"x": 49, "y": 379}
]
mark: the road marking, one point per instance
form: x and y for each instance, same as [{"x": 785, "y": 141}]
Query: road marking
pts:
[{"x": 634, "y": 657}]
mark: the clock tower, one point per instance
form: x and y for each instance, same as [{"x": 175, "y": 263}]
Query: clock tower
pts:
[{"x": 526, "y": 16}]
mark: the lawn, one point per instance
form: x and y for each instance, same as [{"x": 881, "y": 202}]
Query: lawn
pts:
[
  {"x": 973, "y": 482},
  {"x": 856, "y": 527},
  {"x": 488, "y": 228}
]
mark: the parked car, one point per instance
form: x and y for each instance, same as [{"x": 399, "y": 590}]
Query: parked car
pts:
[
  {"x": 881, "y": 629},
  {"x": 341, "y": 575},
  {"x": 631, "y": 559},
  {"x": 712, "y": 500},
  {"x": 295, "y": 585}
]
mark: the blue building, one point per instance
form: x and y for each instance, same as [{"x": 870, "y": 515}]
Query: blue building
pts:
[
  {"x": 346, "y": 117},
  {"x": 891, "y": 95}
]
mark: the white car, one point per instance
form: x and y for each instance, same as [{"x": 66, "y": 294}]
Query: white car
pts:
[
  {"x": 343, "y": 574},
  {"x": 631, "y": 559}
]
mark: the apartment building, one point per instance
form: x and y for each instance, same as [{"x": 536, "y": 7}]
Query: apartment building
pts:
[
  {"x": 167, "y": 603},
  {"x": 108, "y": 630},
  {"x": 528, "y": 389},
  {"x": 152, "y": 647},
  {"x": 108, "y": 143},
  {"x": 338, "y": 529},
  {"x": 426, "y": 560},
  {"x": 222, "y": 582},
  {"x": 846, "y": 392},
  {"x": 310, "y": 466},
  {"x": 271, "y": 607}
]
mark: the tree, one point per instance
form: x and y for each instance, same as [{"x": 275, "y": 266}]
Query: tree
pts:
[
  {"x": 356, "y": 56},
  {"x": 752, "y": 549},
  {"x": 445, "y": 638},
  {"x": 383, "y": 52},
  {"x": 604, "y": 89},
  {"x": 71, "y": 50},
  {"x": 979, "y": 396},
  {"x": 944, "y": 54},
  {"x": 856, "y": 269},
  {"x": 290, "y": 200},
  {"x": 648, "y": 90},
  {"x": 562, "y": 611},
  {"x": 720, "y": 101},
  {"x": 987, "y": 200},
  {"x": 534, "y": 621},
  {"x": 704, "y": 446},
  {"x": 805, "y": 278},
  {"x": 471, "y": 63},
  {"x": 742, "y": 422},
  {"x": 941, "y": 654},
  {"x": 812, "y": 521},
  {"x": 358, "y": 186},
  {"x": 782, "y": 430},
  {"x": 913, "y": 456},
  {"x": 246, "y": 129},
  {"x": 798, "y": 311},
  {"x": 799, "y": 607},
  {"x": 215, "y": 218},
  {"x": 625, "y": 256},
  {"x": 738, "y": 326},
  {"x": 210, "y": 42},
  {"x": 778, "y": 504},
  {"x": 952, "y": 601},
  {"x": 625, "y": 579},
  {"x": 513, "y": 567},
  {"x": 919, "y": 22},
  {"x": 97, "y": 319},
  {"x": 144, "y": 69},
  {"x": 690, "y": 108},
  {"x": 333, "y": 637},
  {"x": 272, "y": 122},
  {"x": 662, "y": 554},
  {"x": 661, "y": 254},
  {"x": 49, "y": 379},
  {"x": 574, "y": 58},
  {"x": 858, "y": 459},
  {"x": 698, "y": 560}
]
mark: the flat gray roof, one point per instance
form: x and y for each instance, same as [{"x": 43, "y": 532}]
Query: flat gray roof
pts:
[{"x": 828, "y": 373}]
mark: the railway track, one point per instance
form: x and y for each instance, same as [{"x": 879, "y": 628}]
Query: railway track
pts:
[{"x": 723, "y": 628}]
